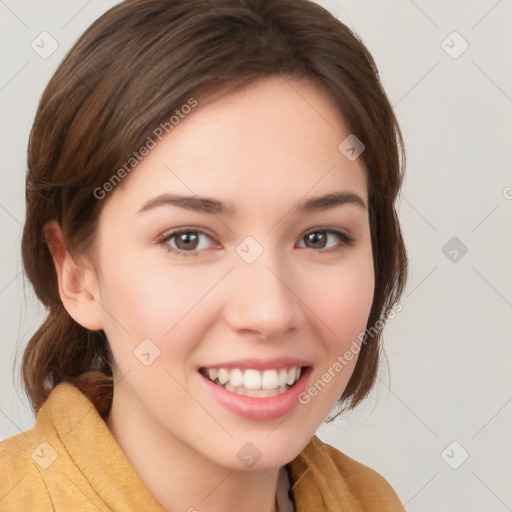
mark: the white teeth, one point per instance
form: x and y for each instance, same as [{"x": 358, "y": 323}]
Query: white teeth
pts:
[
  {"x": 223, "y": 375},
  {"x": 240, "y": 390},
  {"x": 261, "y": 393},
  {"x": 252, "y": 379},
  {"x": 283, "y": 374},
  {"x": 291, "y": 377},
  {"x": 237, "y": 378},
  {"x": 253, "y": 382},
  {"x": 269, "y": 380}
]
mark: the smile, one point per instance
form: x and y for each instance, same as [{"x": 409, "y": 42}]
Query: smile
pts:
[{"x": 252, "y": 382}]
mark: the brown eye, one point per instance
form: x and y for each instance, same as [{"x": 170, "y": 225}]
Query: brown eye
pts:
[
  {"x": 186, "y": 242},
  {"x": 317, "y": 240},
  {"x": 320, "y": 239}
]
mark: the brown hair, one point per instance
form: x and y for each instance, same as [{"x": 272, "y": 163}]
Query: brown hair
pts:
[{"x": 130, "y": 70}]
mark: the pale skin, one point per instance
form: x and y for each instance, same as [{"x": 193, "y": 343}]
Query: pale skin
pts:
[{"x": 261, "y": 149}]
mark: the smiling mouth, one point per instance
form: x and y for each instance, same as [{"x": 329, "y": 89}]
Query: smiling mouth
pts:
[{"x": 254, "y": 383}]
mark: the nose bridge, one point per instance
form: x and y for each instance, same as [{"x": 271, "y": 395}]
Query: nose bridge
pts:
[{"x": 260, "y": 298}]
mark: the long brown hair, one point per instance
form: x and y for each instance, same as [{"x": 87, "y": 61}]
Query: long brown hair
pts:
[{"x": 130, "y": 70}]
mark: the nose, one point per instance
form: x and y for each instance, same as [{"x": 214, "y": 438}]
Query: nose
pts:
[{"x": 261, "y": 298}]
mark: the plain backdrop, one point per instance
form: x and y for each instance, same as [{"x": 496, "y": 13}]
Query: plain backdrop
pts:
[{"x": 437, "y": 425}]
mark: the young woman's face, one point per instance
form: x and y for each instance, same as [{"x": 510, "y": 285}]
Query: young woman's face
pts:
[{"x": 250, "y": 280}]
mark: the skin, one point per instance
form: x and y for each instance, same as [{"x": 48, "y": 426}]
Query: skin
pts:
[{"x": 262, "y": 148}]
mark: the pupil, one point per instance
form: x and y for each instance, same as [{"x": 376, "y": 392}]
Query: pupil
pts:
[
  {"x": 184, "y": 240},
  {"x": 318, "y": 239}
]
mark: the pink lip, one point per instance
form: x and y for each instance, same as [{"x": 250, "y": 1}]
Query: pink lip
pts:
[
  {"x": 260, "y": 364},
  {"x": 260, "y": 409}
]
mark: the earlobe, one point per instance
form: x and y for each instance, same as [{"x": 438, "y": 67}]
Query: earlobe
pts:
[{"x": 77, "y": 283}]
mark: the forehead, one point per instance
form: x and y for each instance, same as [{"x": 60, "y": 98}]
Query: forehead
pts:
[{"x": 268, "y": 142}]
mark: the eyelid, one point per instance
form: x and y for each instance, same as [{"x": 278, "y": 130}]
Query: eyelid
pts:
[
  {"x": 169, "y": 235},
  {"x": 346, "y": 239},
  {"x": 327, "y": 229}
]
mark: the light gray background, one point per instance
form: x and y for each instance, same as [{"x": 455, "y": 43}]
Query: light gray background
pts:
[{"x": 449, "y": 349}]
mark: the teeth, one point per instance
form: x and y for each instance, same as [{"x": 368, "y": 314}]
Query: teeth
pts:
[
  {"x": 291, "y": 377},
  {"x": 223, "y": 376},
  {"x": 253, "y": 382},
  {"x": 283, "y": 374},
  {"x": 237, "y": 378},
  {"x": 269, "y": 380},
  {"x": 252, "y": 379}
]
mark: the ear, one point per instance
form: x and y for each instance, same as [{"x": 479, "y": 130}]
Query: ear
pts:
[{"x": 78, "y": 284}]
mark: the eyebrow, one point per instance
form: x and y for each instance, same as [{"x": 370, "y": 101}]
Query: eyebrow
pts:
[{"x": 214, "y": 206}]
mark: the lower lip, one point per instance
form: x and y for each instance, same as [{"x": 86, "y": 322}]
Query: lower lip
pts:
[{"x": 259, "y": 408}]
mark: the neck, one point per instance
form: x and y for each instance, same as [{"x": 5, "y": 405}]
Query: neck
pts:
[{"x": 179, "y": 477}]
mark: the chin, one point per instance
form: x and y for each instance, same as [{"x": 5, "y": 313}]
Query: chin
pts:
[{"x": 261, "y": 451}]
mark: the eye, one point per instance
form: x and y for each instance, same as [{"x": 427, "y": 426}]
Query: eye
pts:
[
  {"x": 185, "y": 242},
  {"x": 318, "y": 239},
  {"x": 188, "y": 242}
]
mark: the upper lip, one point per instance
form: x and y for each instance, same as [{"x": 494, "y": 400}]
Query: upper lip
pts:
[{"x": 261, "y": 364}]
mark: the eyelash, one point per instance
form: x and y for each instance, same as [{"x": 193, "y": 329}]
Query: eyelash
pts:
[{"x": 345, "y": 241}]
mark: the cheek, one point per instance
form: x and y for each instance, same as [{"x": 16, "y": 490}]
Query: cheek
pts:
[
  {"x": 342, "y": 300},
  {"x": 151, "y": 301},
  {"x": 146, "y": 296},
  {"x": 343, "y": 307}
]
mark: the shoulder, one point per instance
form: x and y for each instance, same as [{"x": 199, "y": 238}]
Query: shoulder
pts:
[
  {"x": 20, "y": 476},
  {"x": 24, "y": 458},
  {"x": 13, "y": 456},
  {"x": 344, "y": 479}
]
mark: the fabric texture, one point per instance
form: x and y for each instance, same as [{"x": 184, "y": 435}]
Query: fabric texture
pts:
[{"x": 70, "y": 461}]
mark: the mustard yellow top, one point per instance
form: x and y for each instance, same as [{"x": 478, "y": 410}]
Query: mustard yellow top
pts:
[{"x": 69, "y": 462}]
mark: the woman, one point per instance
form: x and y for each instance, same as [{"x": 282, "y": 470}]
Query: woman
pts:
[{"x": 211, "y": 225}]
